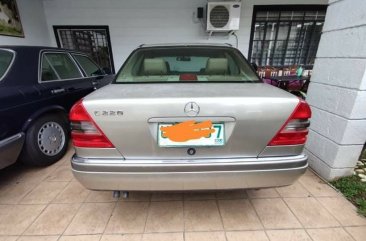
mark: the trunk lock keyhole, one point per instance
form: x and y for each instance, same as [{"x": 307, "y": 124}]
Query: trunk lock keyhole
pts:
[{"x": 191, "y": 151}]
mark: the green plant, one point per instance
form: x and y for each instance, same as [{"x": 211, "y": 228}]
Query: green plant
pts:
[
  {"x": 354, "y": 190},
  {"x": 361, "y": 203}
]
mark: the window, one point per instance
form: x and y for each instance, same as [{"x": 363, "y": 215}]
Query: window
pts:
[
  {"x": 192, "y": 63},
  {"x": 58, "y": 66},
  {"x": 94, "y": 41},
  {"x": 89, "y": 67},
  {"x": 48, "y": 73},
  {"x": 6, "y": 57},
  {"x": 286, "y": 35}
]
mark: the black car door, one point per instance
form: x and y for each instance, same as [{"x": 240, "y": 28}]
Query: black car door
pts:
[
  {"x": 96, "y": 75},
  {"x": 61, "y": 80}
]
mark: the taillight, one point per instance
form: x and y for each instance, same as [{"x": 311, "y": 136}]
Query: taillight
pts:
[
  {"x": 84, "y": 131},
  {"x": 295, "y": 129}
]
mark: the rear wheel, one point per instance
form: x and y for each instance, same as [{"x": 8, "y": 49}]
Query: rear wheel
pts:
[{"x": 46, "y": 141}]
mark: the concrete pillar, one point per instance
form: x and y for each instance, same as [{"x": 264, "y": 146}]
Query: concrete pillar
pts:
[{"x": 337, "y": 92}]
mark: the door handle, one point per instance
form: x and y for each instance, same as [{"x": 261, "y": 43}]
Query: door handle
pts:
[{"x": 58, "y": 91}]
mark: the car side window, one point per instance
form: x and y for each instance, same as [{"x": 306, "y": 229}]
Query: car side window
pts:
[
  {"x": 48, "y": 73},
  {"x": 58, "y": 66},
  {"x": 6, "y": 58},
  {"x": 89, "y": 67}
]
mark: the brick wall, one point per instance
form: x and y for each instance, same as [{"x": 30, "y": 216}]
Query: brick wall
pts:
[{"x": 337, "y": 93}]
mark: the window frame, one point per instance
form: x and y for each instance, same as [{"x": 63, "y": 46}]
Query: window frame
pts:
[
  {"x": 105, "y": 28},
  {"x": 281, "y": 8},
  {"x": 182, "y": 82},
  {"x": 82, "y": 68},
  {"x": 10, "y": 64},
  {"x": 40, "y": 64}
]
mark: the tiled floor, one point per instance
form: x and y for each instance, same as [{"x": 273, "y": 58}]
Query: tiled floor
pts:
[{"x": 49, "y": 204}]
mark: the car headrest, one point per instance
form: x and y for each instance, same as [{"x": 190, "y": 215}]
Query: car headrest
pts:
[
  {"x": 155, "y": 67},
  {"x": 217, "y": 66}
]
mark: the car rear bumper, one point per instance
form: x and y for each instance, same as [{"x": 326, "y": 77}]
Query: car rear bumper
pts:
[{"x": 208, "y": 174}]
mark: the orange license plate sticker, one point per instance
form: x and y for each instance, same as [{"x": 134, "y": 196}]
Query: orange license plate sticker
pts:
[{"x": 188, "y": 130}]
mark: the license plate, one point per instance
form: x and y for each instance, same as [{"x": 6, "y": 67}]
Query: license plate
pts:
[{"x": 216, "y": 138}]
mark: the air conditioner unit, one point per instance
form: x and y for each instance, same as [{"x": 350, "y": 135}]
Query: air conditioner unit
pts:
[{"x": 223, "y": 16}]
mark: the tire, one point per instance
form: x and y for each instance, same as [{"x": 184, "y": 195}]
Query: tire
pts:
[{"x": 46, "y": 140}]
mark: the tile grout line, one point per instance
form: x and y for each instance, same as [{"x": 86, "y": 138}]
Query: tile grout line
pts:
[
  {"x": 147, "y": 215},
  {"x": 299, "y": 181},
  {"x": 36, "y": 185},
  {"x": 184, "y": 219},
  {"x": 44, "y": 180},
  {"x": 256, "y": 213},
  {"x": 317, "y": 198},
  {"x": 221, "y": 218},
  {"x": 72, "y": 219},
  {"x": 110, "y": 216},
  {"x": 17, "y": 202},
  {"x": 328, "y": 209},
  {"x": 202, "y": 231},
  {"x": 259, "y": 218},
  {"x": 327, "y": 228},
  {"x": 22, "y": 234},
  {"x": 53, "y": 200},
  {"x": 297, "y": 218},
  {"x": 325, "y": 183},
  {"x": 46, "y": 205},
  {"x": 344, "y": 228},
  {"x": 303, "y": 186},
  {"x": 68, "y": 183}
]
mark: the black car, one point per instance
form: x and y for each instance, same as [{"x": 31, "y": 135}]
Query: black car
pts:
[{"x": 38, "y": 86}]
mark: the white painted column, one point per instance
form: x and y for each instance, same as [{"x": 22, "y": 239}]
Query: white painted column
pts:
[{"x": 337, "y": 92}]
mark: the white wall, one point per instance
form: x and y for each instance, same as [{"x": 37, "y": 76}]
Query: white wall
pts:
[
  {"x": 132, "y": 23},
  {"x": 34, "y": 25},
  {"x": 337, "y": 92}
]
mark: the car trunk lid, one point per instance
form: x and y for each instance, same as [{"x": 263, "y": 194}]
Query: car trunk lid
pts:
[{"x": 129, "y": 116}]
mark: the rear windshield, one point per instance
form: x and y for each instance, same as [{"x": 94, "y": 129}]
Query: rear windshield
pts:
[
  {"x": 5, "y": 60},
  {"x": 179, "y": 64}
]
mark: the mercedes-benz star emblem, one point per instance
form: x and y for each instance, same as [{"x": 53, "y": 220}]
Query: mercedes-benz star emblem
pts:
[{"x": 192, "y": 109}]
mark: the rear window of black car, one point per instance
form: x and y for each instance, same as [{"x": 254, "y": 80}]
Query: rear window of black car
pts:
[
  {"x": 6, "y": 58},
  {"x": 186, "y": 63}
]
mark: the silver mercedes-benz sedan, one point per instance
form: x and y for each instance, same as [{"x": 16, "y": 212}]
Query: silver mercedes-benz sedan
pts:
[{"x": 188, "y": 117}]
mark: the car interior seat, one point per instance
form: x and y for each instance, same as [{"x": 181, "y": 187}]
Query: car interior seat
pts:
[
  {"x": 62, "y": 71},
  {"x": 48, "y": 75},
  {"x": 216, "y": 66},
  {"x": 155, "y": 66}
]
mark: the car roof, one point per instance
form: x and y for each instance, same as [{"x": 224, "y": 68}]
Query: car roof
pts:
[
  {"x": 186, "y": 44},
  {"x": 18, "y": 48},
  {"x": 27, "y": 59}
]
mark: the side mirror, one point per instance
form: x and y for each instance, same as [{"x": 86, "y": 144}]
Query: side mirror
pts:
[
  {"x": 107, "y": 70},
  {"x": 255, "y": 66}
]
